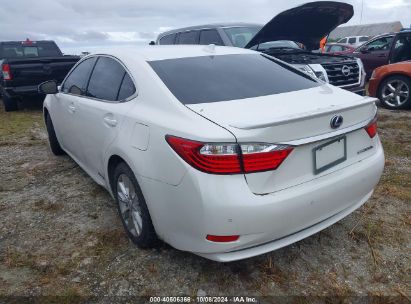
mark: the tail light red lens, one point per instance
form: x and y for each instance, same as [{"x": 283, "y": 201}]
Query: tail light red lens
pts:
[
  {"x": 5, "y": 69},
  {"x": 222, "y": 238},
  {"x": 230, "y": 158},
  {"x": 371, "y": 128}
]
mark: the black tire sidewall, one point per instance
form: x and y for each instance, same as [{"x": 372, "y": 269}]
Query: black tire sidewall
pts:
[
  {"x": 407, "y": 104},
  {"x": 148, "y": 237},
  {"x": 53, "y": 141}
]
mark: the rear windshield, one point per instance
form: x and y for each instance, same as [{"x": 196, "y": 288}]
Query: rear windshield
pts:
[
  {"x": 228, "y": 77},
  {"x": 29, "y": 50}
]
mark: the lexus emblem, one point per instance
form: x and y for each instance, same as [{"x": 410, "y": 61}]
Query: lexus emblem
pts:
[
  {"x": 336, "y": 121},
  {"x": 346, "y": 70}
]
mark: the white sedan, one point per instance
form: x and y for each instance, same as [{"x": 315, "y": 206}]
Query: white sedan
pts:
[{"x": 223, "y": 152}]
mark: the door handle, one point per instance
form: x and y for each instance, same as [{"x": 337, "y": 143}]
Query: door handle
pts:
[
  {"x": 110, "y": 121},
  {"x": 72, "y": 108}
]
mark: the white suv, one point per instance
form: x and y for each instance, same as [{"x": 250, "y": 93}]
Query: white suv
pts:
[
  {"x": 355, "y": 41},
  {"x": 224, "y": 152}
]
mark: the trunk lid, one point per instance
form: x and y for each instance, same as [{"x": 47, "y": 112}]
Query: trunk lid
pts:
[
  {"x": 301, "y": 119},
  {"x": 308, "y": 23}
]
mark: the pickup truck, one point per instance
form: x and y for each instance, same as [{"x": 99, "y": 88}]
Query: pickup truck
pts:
[{"x": 26, "y": 64}]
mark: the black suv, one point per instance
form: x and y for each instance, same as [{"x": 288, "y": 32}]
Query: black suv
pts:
[{"x": 292, "y": 36}]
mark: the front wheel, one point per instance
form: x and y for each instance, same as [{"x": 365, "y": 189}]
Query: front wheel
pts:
[
  {"x": 394, "y": 93},
  {"x": 132, "y": 208}
]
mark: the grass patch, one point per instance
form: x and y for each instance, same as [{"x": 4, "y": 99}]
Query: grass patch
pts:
[{"x": 17, "y": 124}]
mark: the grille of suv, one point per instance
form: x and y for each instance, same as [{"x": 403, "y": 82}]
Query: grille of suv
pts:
[{"x": 338, "y": 78}]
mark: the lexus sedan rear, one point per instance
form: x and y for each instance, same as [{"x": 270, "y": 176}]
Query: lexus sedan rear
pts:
[{"x": 223, "y": 152}]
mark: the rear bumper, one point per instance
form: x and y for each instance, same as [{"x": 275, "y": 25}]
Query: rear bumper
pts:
[
  {"x": 21, "y": 91},
  {"x": 224, "y": 205}
]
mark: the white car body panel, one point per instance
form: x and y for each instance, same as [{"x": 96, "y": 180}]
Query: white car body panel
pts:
[{"x": 185, "y": 204}]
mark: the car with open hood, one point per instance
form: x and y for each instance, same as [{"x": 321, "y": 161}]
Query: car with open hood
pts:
[{"x": 292, "y": 36}]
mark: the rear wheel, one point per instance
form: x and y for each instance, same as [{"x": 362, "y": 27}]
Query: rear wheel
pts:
[
  {"x": 54, "y": 143},
  {"x": 394, "y": 92},
  {"x": 132, "y": 208},
  {"x": 10, "y": 103}
]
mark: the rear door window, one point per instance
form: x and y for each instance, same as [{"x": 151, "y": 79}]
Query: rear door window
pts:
[
  {"x": 106, "y": 79},
  {"x": 127, "y": 88},
  {"x": 76, "y": 82},
  {"x": 190, "y": 37},
  {"x": 210, "y": 37},
  {"x": 208, "y": 79},
  {"x": 167, "y": 40}
]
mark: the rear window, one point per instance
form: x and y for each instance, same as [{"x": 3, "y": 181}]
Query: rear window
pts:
[
  {"x": 209, "y": 79},
  {"x": 32, "y": 50}
]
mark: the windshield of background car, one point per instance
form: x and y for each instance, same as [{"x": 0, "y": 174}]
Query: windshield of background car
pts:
[
  {"x": 209, "y": 79},
  {"x": 30, "y": 50},
  {"x": 240, "y": 36}
]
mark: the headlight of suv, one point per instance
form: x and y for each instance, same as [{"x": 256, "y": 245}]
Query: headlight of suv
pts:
[{"x": 306, "y": 69}]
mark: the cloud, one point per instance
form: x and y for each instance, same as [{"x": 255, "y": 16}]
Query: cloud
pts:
[{"x": 78, "y": 25}]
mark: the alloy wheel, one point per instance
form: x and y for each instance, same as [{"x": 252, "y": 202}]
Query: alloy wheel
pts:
[
  {"x": 395, "y": 93},
  {"x": 129, "y": 204}
]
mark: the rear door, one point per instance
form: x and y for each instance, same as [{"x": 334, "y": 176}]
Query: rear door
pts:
[
  {"x": 401, "y": 48},
  {"x": 101, "y": 113}
]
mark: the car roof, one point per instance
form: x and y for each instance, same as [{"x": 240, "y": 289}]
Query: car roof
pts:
[
  {"x": 163, "y": 52},
  {"x": 209, "y": 26}
]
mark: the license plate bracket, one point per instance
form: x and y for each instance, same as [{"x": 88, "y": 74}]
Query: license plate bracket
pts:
[{"x": 330, "y": 154}]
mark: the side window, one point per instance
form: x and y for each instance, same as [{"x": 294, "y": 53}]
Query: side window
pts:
[
  {"x": 190, "y": 37},
  {"x": 363, "y": 39},
  {"x": 210, "y": 37},
  {"x": 127, "y": 88},
  {"x": 402, "y": 49},
  {"x": 343, "y": 40},
  {"x": 352, "y": 40},
  {"x": 106, "y": 79},
  {"x": 169, "y": 39},
  {"x": 76, "y": 82},
  {"x": 381, "y": 44}
]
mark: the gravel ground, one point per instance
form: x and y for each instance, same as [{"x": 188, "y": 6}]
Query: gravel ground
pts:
[{"x": 60, "y": 235}]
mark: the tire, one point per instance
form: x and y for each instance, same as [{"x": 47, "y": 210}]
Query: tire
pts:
[
  {"x": 10, "y": 103},
  {"x": 54, "y": 143},
  {"x": 395, "y": 92},
  {"x": 137, "y": 223}
]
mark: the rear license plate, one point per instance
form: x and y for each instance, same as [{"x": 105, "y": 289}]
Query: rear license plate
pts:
[{"x": 330, "y": 154}]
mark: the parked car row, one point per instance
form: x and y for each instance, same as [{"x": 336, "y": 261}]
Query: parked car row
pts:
[{"x": 281, "y": 38}]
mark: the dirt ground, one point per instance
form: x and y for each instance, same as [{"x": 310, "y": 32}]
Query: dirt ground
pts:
[{"x": 60, "y": 235}]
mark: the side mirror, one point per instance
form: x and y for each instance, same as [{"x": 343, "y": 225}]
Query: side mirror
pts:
[
  {"x": 365, "y": 51},
  {"x": 48, "y": 87}
]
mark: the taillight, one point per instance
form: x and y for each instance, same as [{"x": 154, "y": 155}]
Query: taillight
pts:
[
  {"x": 222, "y": 238},
  {"x": 263, "y": 157},
  {"x": 229, "y": 158},
  {"x": 5, "y": 68},
  {"x": 371, "y": 128}
]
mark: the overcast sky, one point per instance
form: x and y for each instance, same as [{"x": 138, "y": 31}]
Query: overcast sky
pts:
[{"x": 84, "y": 25}]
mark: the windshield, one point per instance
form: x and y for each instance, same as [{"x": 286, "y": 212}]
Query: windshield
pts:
[
  {"x": 208, "y": 79},
  {"x": 240, "y": 36},
  {"x": 29, "y": 50}
]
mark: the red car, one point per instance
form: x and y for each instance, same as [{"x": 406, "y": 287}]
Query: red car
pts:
[
  {"x": 339, "y": 49},
  {"x": 392, "y": 85}
]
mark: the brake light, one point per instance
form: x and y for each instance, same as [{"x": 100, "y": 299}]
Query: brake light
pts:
[
  {"x": 5, "y": 69},
  {"x": 229, "y": 158},
  {"x": 222, "y": 238},
  {"x": 371, "y": 128}
]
